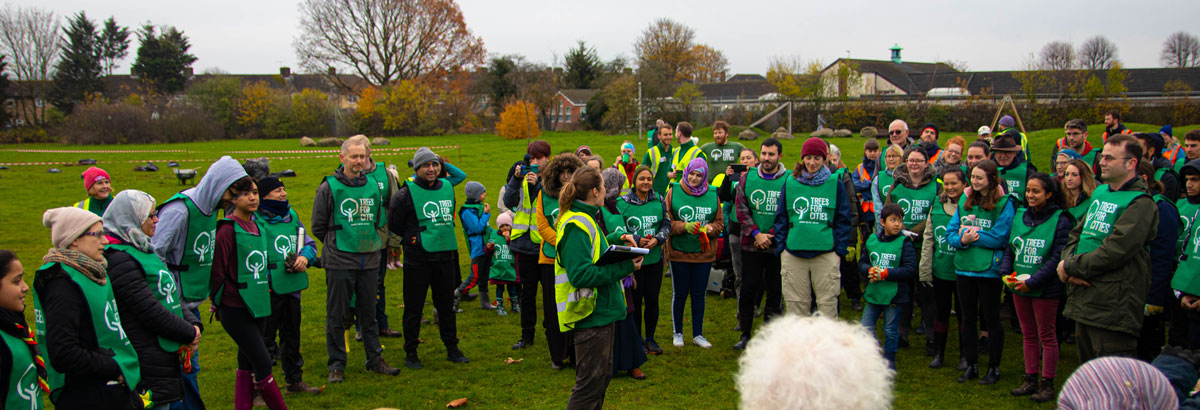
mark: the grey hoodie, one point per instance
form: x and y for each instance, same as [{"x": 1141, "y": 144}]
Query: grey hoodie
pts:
[
  {"x": 323, "y": 229},
  {"x": 171, "y": 230}
]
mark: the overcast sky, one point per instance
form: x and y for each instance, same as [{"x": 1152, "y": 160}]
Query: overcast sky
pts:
[{"x": 255, "y": 36}]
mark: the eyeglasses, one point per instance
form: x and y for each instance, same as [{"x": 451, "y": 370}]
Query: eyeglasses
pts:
[
  {"x": 896, "y": 132},
  {"x": 1110, "y": 158},
  {"x": 98, "y": 234}
]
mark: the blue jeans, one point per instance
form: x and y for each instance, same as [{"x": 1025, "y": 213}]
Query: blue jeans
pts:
[
  {"x": 191, "y": 387},
  {"x": 891, "y": 327},
  {"x": 689, "y": 279}
]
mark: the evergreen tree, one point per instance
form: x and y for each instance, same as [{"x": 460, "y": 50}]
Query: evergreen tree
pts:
[
  {"x": 77, "y": 74},
  {"x": 114, "y": 45},
  {"x": 582, "y": 67},
  {"x": 162, "y": 58}
]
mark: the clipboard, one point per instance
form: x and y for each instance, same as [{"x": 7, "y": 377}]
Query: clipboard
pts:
[{"x": 618, "y": 254}]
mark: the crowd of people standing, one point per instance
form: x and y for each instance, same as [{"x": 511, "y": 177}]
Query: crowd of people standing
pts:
[{"x": 1099, "y": 253}]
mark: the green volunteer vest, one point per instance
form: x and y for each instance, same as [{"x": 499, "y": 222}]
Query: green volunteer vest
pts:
[
  {"x": 1090, "y": 158},
  {"x": 810, "y": 215},
  {"x": 550, "y": 211},
  {"x": 196, "y": 262},
  {"x": 1079, "y": 210},
  {"x": 1014, "y": 180},
  {"x": 358, "y": 210},
  {"x": 162, "y": 282},
  {"x": 254, "y": 270},
  {"x": 614, "y": 223},
  {"x": 283, "y": 238},
  {"x": 884, "y": 182},
  {"x": 644, "y": 220},
  {"x": 974, "y": 258},
  {"x": 914, "y": 202},
  {"x": 943, "y": 253},
  {"x": 502, "y": 259},
  {"x": 883, "y": 255},
  {"x": 435, "y": 216},
  {"x": 688, "y": 208},
  {"x": 1187, "y": 275},
  {"x": 762, "y": 197},
  {"x": 380, "y": 177},
  {"x": 1103, "y": 212},
  {"x": 23, "y": 390},
  {"x": 106, "y": 321},
  {"x": 1188, "y": 213},
  {"x": 1030, "y": 246}
]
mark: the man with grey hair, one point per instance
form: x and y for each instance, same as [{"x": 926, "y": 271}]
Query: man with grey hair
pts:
[
  {"x": 898, "y": 134},
  {"x": 346, "y": 217}
]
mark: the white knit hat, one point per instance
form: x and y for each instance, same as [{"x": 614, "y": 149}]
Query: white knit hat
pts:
[{"x": 67, "y": 224}]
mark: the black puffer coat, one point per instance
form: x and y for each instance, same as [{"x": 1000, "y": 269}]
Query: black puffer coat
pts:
[{"x": 144, "y": 320}]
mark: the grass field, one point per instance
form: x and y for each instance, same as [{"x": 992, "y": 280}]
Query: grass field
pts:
[{"x": 681, "y": 378}]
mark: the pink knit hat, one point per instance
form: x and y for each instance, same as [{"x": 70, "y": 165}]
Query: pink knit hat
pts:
[{"x": 93, "y": 175}]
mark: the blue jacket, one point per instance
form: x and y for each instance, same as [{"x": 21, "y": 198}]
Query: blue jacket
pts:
[
  {"x": 475, "y": 227},
  {"x": 902, "y": 274},
  {"x": 1162, "y": 255},
  {"x": 842, "y": 228},
  {"x": 995, "y": 239}
]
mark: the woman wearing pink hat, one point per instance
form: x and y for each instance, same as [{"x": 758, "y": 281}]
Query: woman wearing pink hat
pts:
[{"x": 99, "y": 190}]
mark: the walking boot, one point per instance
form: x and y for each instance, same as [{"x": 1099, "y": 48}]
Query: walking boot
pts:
[
  {"x": 1029, "y": 385},
  {"x": 971, "y": 373},
  {"x": 991, "y": 377},
  {"x": 1045, "y": 391},
  {"x": 243, "y": 390},
  {"x": 269, "y": 391},
  {"x": 483, "y": 301}
]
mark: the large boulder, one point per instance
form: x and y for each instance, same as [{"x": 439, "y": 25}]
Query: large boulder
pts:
[
  {"x": 330, "y": 142},
  {"x": 747, "y": 135},
  {"x": 822, "y": 133},
  {"x": 380, "y": 141},
  {"x": 782, "y": 133},
  {"x": 307, "y": 142},
  {"x": 842, "y": 133}
]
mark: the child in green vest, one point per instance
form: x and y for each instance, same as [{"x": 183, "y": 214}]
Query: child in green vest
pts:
[
  {"x": 22, "y": 371},
  {"x": 889, "y": 261},
  {"x": 501, "y": 267},
  {"x": 241, "y": 295}
]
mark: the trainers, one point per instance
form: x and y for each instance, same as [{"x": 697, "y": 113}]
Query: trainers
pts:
[
  {"x": 677, "y": 340},
  {"x": 412, "y": 362},
  {"x": 702, "y": 342},
  {"x": 457, "y": 357},
  {"x": 500, "y": 311},
  {"x": 383, "y": 368},
  {"x": 337, "y": 376}
]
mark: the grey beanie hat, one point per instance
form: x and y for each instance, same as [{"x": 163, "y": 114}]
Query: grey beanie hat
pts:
[
  {"x": 612, "y": 182},
  {"x": 474, "y": 190},
  {"x": 423, "y": 156}
]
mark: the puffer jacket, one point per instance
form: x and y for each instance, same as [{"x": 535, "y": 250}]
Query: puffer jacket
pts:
[{"x": 144, "y": 320}]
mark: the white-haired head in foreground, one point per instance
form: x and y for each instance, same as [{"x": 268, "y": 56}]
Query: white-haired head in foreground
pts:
[{"x": 813, "y": 363}]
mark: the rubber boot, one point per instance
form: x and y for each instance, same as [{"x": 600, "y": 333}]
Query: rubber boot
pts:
[
  {"x": 939, "y": 348},
  {"x": 485, "y": 301},
  {"x": 270, "y": 393},
  {"x": 243, "y": 388}
]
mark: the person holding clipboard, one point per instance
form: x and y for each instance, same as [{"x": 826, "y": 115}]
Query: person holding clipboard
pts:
[{"x": 588, "y": 295}]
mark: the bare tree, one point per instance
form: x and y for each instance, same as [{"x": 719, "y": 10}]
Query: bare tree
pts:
[
  {"x": 385, "y": 40},
  {"x": 1057, "y": 55},
  {"x": 1181, "y": 50},
  {"x": 29, "y": 36},
  {"x": 1097, "y": 53}
]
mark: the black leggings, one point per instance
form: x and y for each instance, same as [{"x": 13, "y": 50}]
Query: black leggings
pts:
[
  {"x": 247, "y": 333},
  {"x": 980, "y": 296},
  {"x": 645, "y": 296},
  {"x": 943, "y": 291}
]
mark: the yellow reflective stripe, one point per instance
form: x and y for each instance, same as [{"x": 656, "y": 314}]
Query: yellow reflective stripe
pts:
[{"x": 560, "y": 279}]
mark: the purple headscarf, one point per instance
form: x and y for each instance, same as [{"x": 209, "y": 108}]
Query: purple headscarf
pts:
[{"x": 697, "y": 164}]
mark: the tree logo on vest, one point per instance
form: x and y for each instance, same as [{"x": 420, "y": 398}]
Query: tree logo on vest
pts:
[
  {"x": 1097, "y": 214},
  {"x": 27, "y": 387},
  {"x": 1027, "y": 250},
  {"x": 766, "y": 201},
  {"x": 905, "y": 205},
  {"x": 166, "y": 285},
  {"x": 203, "y": 245},
  {"x": 689, "y": 214},
  {"x": 1195, "y": 244},
  {"x": 256, "y": 261},
  {"x": 634, "y": 224},
  {"x": 349, "y": 208},
  {"x": 437, "y": 210},
  {"x": 283, "y": 245},
  {"x": 1185, "y": 224},
  {"x": 718, "y": 154},
  {"x": 940, "y": 234},
  {"x": 882, "y": 260},
  {"x": 112, "y": 318}
]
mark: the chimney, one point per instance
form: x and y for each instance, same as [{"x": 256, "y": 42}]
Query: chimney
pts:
[
  {"x": 285, "y": 72},
  {"x": 896, "y": 53}
]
